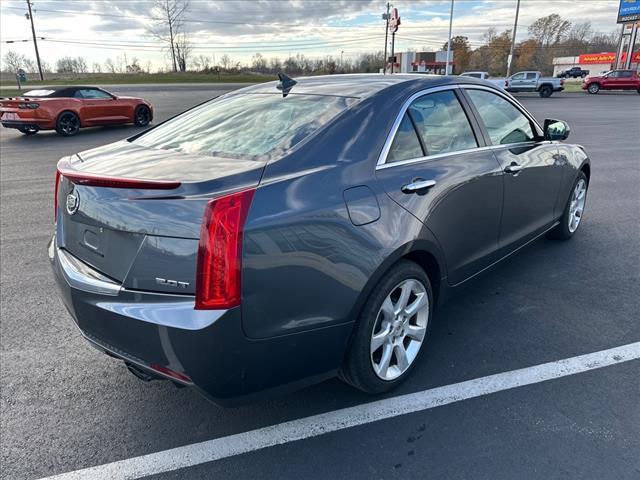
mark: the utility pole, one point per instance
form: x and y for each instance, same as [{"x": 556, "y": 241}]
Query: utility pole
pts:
[
  {"x": 446, "y": 68},
  {"x": 35, "y": 42},
  {"x": 513, "y": 40},
  {"x": 386, "y": 37}
]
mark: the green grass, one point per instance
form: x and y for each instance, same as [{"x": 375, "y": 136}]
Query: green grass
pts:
[{"x": 9, "y": 87}]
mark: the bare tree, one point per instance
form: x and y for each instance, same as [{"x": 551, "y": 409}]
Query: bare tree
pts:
[
  {"x": 549, "y": 30},
  {"x": 183, "y": 50},
  {"x": 109, "y": 66},
  {"x": 13, "y": 61},
  {"x": 96, "y": 67},
  {"x": 225, "y": 62},
  {"x": 168, "y": 26}
]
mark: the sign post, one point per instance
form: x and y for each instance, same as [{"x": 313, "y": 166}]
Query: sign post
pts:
[
  {"x": 386, "y": 16},
  {"x": 394, "y": 23},
  {"x": 21, "y": 77}
]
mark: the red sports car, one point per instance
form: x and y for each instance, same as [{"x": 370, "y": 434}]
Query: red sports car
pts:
[{"x": 67, "y": 109}]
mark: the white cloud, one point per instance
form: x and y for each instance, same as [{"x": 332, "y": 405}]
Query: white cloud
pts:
[{"x": 108, "y": 28}]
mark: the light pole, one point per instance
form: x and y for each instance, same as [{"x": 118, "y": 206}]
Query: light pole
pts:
[
  {"x": 446, "y": 68},
  {"x": 513, "y": 40},
  {"x": 341, "y": 61},
  {"x": 35, "y": 42}
]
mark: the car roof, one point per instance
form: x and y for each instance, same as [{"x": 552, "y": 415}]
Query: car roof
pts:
[
  {"x": 360, "y": 85},
  {"x": 65, "y": 91}
]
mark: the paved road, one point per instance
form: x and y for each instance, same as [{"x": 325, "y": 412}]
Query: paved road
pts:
[{"x": 64, "y": 406}]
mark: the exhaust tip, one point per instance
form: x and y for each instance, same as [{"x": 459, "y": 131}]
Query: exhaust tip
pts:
[{"x": 142, "y": 374}]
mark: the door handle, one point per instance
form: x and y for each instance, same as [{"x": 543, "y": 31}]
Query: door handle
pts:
[
  {"x": 418, "y": 185},
  {"x": 513, "y": 168}
]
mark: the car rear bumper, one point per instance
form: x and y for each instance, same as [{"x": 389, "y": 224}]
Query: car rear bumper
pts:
[
  {"x": 206, "y": 348},
  {"x": 25, "y": 118},
  {"x": 25, "y": 123}
]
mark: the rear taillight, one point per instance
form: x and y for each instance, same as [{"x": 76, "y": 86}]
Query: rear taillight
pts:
[
  {"x": 562, "y": 82},
  {"x": 220, "y": 251},
  {"x": 55, "y": 196},
  {"x": 28, "y": 106}
]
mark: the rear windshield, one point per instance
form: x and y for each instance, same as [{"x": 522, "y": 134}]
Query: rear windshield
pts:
[
  {"x": 248, "y": 126},
  {"x": 38, "y": 93}
]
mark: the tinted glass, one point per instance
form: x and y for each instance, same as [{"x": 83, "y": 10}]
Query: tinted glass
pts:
[
  {"x": 626, "y": 74},
  {"x": 405, "y": 144},
  {"x": 248, "y": 126},
  {"x": 474, "y": 75},
  {"x": 442, "y": 123},
  {"x": 531, "y": 76},
  {"x": 505, "y": 123},
  {"x": 91, "y": 93}
]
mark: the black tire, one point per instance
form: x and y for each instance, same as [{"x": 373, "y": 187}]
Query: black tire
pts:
[
  {"x": 583, "y": 75},
  {"x": 593, "y": 88},
  {"x": 639, "y": 91},
  {"x": 357, "y": 369},
  {"x": 562, "y": 231},
  {"x": 545, "y": 91},
  {"x": 142, "y": 116},
  {"x": 68, "y": 124},
  {"x": 29, "y": 130}
]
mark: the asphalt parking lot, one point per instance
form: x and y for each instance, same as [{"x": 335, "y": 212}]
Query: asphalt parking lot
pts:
[{"x": 66, "y": 407}]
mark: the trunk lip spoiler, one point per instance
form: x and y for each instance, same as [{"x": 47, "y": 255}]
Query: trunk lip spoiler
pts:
[{"x": 78, "y": 177}]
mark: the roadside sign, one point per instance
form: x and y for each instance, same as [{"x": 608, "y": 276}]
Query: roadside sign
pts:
[
  {"x": 629, "y": 11},
  {"x": 394, "y": 21}
]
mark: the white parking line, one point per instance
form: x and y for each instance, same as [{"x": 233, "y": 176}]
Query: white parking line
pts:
[{"x": 211, "y": 450}]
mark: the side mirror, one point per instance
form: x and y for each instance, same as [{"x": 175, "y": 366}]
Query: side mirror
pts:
[{"x": 556, "y": 129}]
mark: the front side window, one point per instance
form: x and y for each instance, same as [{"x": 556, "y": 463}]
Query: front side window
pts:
[
  {"x": 518, "y": 76},
  {"x": 626, "y": 74},
  {"x": 504, "y": 122},
  {"x": 246, "y": 126},
  {"x": 91, "y": 93},
  {"x": 442, "y": 123}
]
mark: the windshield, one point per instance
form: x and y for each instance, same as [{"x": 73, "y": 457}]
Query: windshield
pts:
[{"x": 248, "y": 126}]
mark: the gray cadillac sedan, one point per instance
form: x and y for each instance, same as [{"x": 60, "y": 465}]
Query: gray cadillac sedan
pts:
[{"x": 289, "y": 232}]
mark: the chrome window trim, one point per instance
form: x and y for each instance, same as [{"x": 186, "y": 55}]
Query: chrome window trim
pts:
[{"x": 382, "y": 158}]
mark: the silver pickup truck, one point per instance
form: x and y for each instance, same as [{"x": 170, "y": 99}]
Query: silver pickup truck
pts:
[{"x": 534, "y": 82}]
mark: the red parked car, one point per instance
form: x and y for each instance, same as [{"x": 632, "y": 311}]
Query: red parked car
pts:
[
  {"x": 67, "y": 109},
  {"x": 613, "y": 80}
]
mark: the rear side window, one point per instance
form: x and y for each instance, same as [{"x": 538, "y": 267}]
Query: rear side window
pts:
[
  {"x": 531, "y": 76},
  {"x": 405, "y": 144},
  {"x": 442, "y": 123},
  {"x": 248, "y": 126},
  {"x": 504, "y": 122}
]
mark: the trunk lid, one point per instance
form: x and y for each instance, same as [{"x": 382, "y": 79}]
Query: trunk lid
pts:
[{"x": 143, "y": 236}]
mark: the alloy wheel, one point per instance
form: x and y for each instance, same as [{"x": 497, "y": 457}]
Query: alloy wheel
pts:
[
  {"x": 576, "y": 207},
  {"x": 143, "y": 116},
  {"x": 399, "y": 330},
  {"x": 69, "y": 124}
]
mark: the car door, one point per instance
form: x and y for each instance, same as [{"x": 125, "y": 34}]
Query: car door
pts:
[
  {"x": 532, "y": 166},
  {"x": 625, "y": 79},
  {"x": 530, "y": 82},
  {"x": 517, "y": 82},
  {"x": 100, "y": 107},
  {"x": 610, "y": 81},
  {"x": 433, "y": 167}
]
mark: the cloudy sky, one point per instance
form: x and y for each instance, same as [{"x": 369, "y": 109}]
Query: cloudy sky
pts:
[{"x": 99, "y": 29}]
